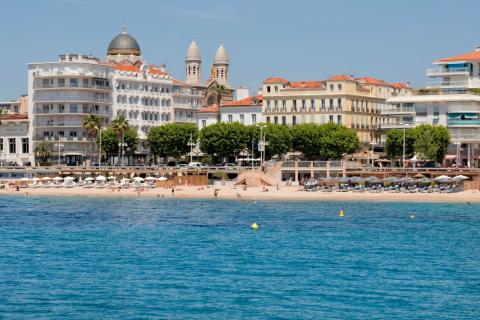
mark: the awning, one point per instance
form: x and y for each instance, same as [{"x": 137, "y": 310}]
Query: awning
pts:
[{"x": 450, "y": 157}]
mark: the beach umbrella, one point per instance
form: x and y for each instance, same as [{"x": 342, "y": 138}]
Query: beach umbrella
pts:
[
  {"x": 418, "y": 176},
  {"x": 125, "y": 179},
  {"x": 100, "y": 178},
  {"x": 46, "y": 178},
  {"x": 25, "y": 179},
  {"x": 89, "y": 179},
  {"x": 69, "y": 178},
  {"x": 138, "y": 179},
  {"x": 149, "y": 178},
  {"x": 57, "y": 178},
  {"x": 111, "y": 178},
  {"x": 442, "y": 179},
  {"x": 162, "y": 178},
  {"x": 460, "y": 177}
]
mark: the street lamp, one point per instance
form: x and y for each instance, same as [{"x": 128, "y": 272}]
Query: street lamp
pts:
[
  {"x": 122, "y": 146},
  {"x": 405, "y": 125},
  {"x": 100, "y": 148},
  {"x": 191, "y": 144},
  {"x": 373, "y": 143},
  {"x": 261, "y": 144},
  {"x": 59, "y": 145}
]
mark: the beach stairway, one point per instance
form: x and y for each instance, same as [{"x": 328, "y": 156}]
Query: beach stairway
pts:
[{"x": 256, "y": 178}]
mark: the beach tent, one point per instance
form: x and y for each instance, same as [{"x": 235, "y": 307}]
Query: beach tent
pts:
[{"x": 460, "y": 178}]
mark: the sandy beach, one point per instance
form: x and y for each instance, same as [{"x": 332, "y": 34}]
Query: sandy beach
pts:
[{"x": 282, "y": 194}]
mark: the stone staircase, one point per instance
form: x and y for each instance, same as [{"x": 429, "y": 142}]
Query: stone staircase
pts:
[{"x": 257, "y": 178}]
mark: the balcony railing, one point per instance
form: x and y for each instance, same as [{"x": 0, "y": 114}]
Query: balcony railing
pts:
[
  {"x": 443, "y": 71},
  {"x": 394, "y": 110},
  {"x": 81, "y": 86},
  {"x": 447, "y": 84},
  {"x": 463, "y": 122}
]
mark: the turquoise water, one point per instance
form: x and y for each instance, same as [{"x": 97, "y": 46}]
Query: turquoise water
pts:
[{"x": 93, "y": 258}]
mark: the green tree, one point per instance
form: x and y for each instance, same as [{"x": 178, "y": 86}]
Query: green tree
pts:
[
  {"x": 44, "y": 150},
  {"x": 120, "y": 125},
  {"x": 131, "y": 139},
  {"x": 224, "y": 139},
  {"x": 425, "y": 146},
  {"x": 328, "y": 141},
  {"x": 279, "y": 140},
  {"x": 171, "y": 140},
  {"x": 394, "y": 143},
  {"x": 109, "y": 142},
  {"x": 442, "y": 138},
  {"x": 93, "y": 125},
  {"x": 216, "y": 93}
]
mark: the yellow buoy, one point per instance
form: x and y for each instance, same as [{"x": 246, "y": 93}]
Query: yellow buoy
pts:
[
  {"x": 341, "y": 213},
  {"x": 254, "y": 226}
]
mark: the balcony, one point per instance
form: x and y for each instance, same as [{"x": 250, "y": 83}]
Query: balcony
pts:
[
  {"x": 436, "y": 72},
  {"x": 445, "y": 84},
  {"x": 397, "y": 111},
  {"x": 81, "y": 86},
  {"x": 463, "y": 123},
  {"x": 396, "y": 125}
]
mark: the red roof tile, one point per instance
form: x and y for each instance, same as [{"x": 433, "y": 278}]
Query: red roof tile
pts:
[
  {"x": 307, "y": 84},
  {"x": 124, "y": 67},
  {"x": 275, "y": 80},
  {"x": 469, "y": 56},
  {"x": 399, "y": 85},
  {"x": 14, "y": 116},
  {"x": 245, "y": 102},
  {"x": 341, "y": 77},
  {"x": 213, "y": 108},
  {"x": 370, "y": 80}
]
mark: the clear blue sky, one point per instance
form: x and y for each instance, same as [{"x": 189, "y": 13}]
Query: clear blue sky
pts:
[{"x": 298, "y": 40}]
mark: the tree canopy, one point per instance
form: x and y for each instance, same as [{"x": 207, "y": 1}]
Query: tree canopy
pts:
[
  {"x": 279, "y": 140},
  {"x": 225, "y": 139},
  {"x": 171, "y": 140}
]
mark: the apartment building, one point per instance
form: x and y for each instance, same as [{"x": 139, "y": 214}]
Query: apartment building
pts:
[{"x": 353, "y": 102}]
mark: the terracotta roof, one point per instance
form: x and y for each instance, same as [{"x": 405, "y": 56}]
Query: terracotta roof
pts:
[
  {"x": 14, "y": 116},
  {"x": 175, "y": 81},
  {"x": 213, "y": 108},
  {"x": 307, "y": 84},
  {"x": 469, "y": 56},
  {"x": 370, "y": 80},
  {"x": 341, "y": 77},
  {"x": 399, "y": 85},
  {"x": 245, "y": 102},
  {"x": 128, "y": 68},
  {"x": 275, "y": 80}
]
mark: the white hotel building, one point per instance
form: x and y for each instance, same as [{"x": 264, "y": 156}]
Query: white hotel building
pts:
[
  {"x": 451, "y": 99},
  {"x": 63, "y": 93}
]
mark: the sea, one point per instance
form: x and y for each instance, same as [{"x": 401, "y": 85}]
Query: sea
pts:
[{"x": 159, "y": 258}]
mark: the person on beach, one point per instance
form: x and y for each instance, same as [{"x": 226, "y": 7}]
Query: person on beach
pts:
[
  {"x": 239, "y": 196},
  {"x": 215, "y": 193},
  {"x": 173, "y": 191}
]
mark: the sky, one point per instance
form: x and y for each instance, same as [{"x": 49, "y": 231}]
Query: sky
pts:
[{"x": 297, "y": 39}]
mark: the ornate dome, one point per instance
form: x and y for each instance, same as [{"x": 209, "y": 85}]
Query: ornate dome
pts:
[
  {"x": 221, "y": 56},
  {"x": 124, "y": 44},
  {"x": 193, "y": 51}
]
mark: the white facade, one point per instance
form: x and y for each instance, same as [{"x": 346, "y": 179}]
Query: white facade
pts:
[
  {"x": 15, "y": 140},
  {"x": 61, "y": 95},
  {"x": 247, "y": 115},
  {"x": 451, "y": 99}
]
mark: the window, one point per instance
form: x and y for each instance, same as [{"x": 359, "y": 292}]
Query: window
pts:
[
  {"x": 339, "y": 119},
  {"x": 284, "y": 120},
  {"x": 323, "y": 104},
  {"x": 254, "y": 118},
  {"x": 331, "y": 104},
  {"x": 242, "y": 118},
  {"x": 275, "y": 105},
  {"x": 73, "y": 83},
  {"x": 230, "y": 118},
  {"x": 85, "y": 108},
  {"x": 46, "y": 83},
  {"x": 339, "y": 87},
  {"x": 268, "y": 88},
  {"x": 12, "y": 147},
  {"x": 73, "y": 108},
  {"x": 25, "y": 147},
  {"x": 276, "y": 88},
  {"x": 268, "y": 105},
  {"x": 304, "y": 105},
  {"x": 204, "y": 123},
  {"x": 330, "y": 118},
  {"x": 1, "y": 145},
  {"x": 339, "y": 102},
  {"x": 312, "y": 104},
  {"x": 61, "y": 82},
  {"x": 73, "y": 133},
  {"x": 268, "y": 119},
  {"x": 294, "y": 120},
  {"x": 332, "y": 87},
  {"x": 284, "y": 105},
  {"x": 294, "y": 108},
  {"x": 85, "y": 83},
  {"x": 275, "y": 120},
  {"x": 61, "y": 108}
]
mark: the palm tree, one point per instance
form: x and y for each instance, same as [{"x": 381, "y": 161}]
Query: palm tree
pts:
[
  {"x": 217, "y": 92},
  {"x": 93, "y": 125},
  {"x": 120, "y": 125},
  {"x": 44, "y": 150}
]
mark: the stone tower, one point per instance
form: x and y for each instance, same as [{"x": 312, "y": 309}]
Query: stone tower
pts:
[
  {"x": 220, "y": 66},
  {"x": 193, "y": 63}
]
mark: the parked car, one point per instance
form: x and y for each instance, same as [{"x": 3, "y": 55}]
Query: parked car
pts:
[
  {"x": 231, "y": 166},
  {"x": 182, "y": 165}
]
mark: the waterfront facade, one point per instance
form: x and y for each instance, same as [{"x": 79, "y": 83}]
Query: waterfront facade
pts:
[
  {"x": 61, "y": 95},
  {"x": 353, "y": 102},
  {"x": 246, "y": 111},
  {"x": 15, "y": 140},
  {"x": 451, "y": 99}
]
